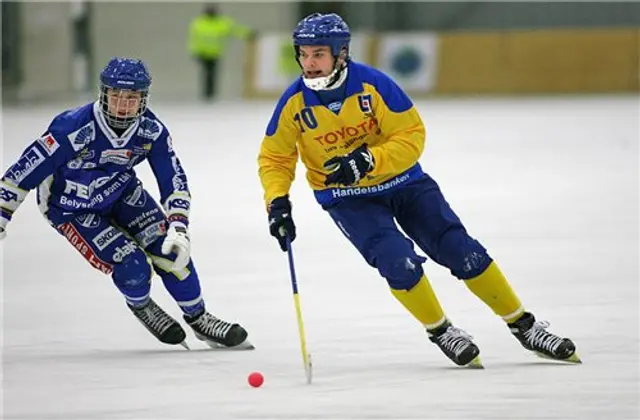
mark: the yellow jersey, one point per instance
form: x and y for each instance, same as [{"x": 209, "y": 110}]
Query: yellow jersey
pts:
[{"x": 375, "y": 111}]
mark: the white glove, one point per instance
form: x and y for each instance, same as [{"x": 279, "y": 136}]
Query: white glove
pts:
[{"x": 177, "y": 241}]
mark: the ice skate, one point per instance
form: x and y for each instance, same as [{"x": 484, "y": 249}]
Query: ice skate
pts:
[
  {"x": 533, "y": 336},
  {"x": 160, "y": 324},
  {"x": 218, "y": 334},
  {"x": 456, "y": 344}
]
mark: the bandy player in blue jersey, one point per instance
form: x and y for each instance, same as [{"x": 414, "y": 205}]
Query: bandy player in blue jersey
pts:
[
  {"x": 83, "y": 170},
  {"x": 360, "y": 139}
]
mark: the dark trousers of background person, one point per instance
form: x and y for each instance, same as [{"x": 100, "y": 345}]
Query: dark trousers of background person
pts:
[{"x": 209, "y": 76}]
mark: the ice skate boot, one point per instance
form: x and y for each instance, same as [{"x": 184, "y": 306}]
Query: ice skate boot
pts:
[
  {"x": 160, "y": 324},
  {"x": 218, "y": 333},
  {"x": 456, "y": 344},
  {"x": 533, "y": 336}
]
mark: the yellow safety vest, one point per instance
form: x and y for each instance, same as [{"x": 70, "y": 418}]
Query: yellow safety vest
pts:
[{"x": 208, "y": 35}]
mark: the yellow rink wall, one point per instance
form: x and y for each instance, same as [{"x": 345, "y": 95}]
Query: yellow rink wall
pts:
[
  {"x": 517, "y": 62},
  {"x": 541, "y": 61}
]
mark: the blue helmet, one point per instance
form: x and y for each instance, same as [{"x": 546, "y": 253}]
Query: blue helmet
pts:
[
  {"x": 324, "y": 30},
  {"x": 126, "y": 74},
  {"x": 318, "y": 29}
]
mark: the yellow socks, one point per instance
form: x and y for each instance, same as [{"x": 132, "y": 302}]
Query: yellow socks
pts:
[
  {"x": 494, "y": 290},
  {"x": 491, "y": 287},
  {"x": 423, "y": 304}
]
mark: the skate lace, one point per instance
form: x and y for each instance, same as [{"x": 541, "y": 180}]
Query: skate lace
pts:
[
  {"x": 212, "y": 326},
  {"x": 540, "y": 338},
  {"x": 155, "y": 317},
  {"x": 455, "y": 340}
]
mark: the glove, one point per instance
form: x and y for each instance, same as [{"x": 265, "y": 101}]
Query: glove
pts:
[
  {"x": 349, "y": 169},
  {"x": 280, "y": 221},
  {"x": 177, "y": 241}
]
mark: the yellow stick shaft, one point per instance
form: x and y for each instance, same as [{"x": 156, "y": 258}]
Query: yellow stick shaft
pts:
[
  {"x": 296, "y": 299},
  {"x": 303, "y": 341}
]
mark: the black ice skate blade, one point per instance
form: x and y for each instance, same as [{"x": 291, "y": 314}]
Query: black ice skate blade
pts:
[{"x": 245, "y": 345}]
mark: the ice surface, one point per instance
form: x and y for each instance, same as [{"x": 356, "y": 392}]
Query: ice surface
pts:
[{"x": 550, "y": 186}]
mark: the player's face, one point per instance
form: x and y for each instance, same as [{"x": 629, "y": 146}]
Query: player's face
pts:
[
  {"x": 123, "y": 103},
  {"x": 316, "y": 61}
]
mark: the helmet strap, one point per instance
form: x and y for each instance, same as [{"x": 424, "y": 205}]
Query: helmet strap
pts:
[{"x": 339, "y": 76}]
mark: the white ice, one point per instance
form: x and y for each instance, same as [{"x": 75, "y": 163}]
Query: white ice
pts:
[{"x": 549, "y": 185}]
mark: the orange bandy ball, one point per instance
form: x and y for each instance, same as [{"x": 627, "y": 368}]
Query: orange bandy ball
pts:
[{"x": 256, "y": 379}]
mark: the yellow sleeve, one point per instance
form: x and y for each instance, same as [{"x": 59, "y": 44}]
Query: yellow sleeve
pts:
[
  {"x": 401, "y": 126},
  {"x": 278, "y": 153},
  {"x": 241, "y": 31},
  {"x": 193, "y": 37}
]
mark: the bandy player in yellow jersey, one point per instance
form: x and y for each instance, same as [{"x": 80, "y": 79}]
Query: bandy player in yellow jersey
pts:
[{"x": 360, "y": 139}]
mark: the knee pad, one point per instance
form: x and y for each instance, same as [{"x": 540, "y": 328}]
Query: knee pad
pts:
[
  {"x": 402, "y": 273},
  {"x": 133, "y": 272},
  {"x": 396, "y": 261},
  {"x": 465, "y": 257}
]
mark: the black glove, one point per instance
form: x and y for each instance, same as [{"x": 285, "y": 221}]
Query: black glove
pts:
[
  {"x": 349, "y": 169},
  {"x": 280, "y": 221}
]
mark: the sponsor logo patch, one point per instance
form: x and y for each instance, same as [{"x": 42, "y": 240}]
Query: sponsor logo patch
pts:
[
  {"x": 79, "y": 243},
  {"x": 106, "y": 237},
  {"x": 149, "y": 129},
  {"x": 89, "y": 220},
  {"x": 82, "y": 136},
  {"x": 49, "y": 144},
  {"x": 151, "y": 233},
  {"x": 137, "y": 198},
  {"x": 29, "y": 161},
  {"x": 122, "y": 252},
  {"x": 364, "y": 101},
  {"x": 118, "y": 157}
]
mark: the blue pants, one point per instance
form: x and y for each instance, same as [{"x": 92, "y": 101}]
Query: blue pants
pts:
[
  {"x": 424, "y": 215},
  {"x": 125, "y": 241}
]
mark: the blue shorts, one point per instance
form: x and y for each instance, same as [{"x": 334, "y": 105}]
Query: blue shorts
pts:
[{"x": 421, "y": 211}]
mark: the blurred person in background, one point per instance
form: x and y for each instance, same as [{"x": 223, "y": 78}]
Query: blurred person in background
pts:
[{"x": 208, "y": 35}]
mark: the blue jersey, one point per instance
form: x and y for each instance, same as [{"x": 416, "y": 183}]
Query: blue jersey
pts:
[{"x": 81, "y": 165}]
